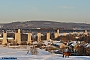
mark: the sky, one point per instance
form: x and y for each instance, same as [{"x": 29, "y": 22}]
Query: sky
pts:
[{"x": 77, "y": 11}]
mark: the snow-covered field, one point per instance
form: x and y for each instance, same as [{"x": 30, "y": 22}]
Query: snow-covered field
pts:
[{"x": 21, "y": 54}]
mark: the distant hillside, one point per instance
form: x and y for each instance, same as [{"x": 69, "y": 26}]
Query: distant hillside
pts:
[
  {"x": 46, "y": 24},
  {"x": 1, "y": 25}
]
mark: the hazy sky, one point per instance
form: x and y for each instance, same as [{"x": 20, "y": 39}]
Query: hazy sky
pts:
[{"x": 52, "y": 10}]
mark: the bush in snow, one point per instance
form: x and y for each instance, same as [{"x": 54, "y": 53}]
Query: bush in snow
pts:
[
  {"x": 33, "y": 50},
  {"x": 81, "y": 50},
  {"x": 88, "y": 50}
]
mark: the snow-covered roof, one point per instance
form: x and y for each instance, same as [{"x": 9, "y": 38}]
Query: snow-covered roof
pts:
[
  {"x": 88, "y": 45},
  {"x": 8, "y": 38},
  {"x": 35, "y": 42},
  {"x": 57, "y": 42}
]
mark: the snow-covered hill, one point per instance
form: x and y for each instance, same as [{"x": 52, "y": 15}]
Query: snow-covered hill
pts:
[{"x": 20, "y": 54}]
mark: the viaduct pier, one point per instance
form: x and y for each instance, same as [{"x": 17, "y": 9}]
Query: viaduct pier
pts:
[{"x": 19, "y": 35}]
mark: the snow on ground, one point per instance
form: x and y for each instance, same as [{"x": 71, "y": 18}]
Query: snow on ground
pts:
[{"x": 20, "y": 54}]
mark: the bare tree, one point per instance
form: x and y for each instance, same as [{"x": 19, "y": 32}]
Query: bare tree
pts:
[{"x": 33, "y": 50}]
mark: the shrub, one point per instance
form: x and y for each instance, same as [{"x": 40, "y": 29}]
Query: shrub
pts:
[
  {"x": 33, "y": 50},
  {"x": 81, "y": 50},
  {"x": 88, "y": 50}
]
